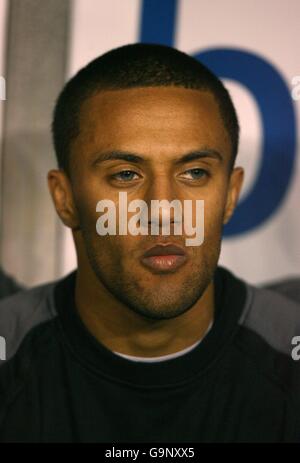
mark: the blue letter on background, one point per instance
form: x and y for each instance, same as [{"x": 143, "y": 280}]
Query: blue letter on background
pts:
[{"x": 273, "y": 98}]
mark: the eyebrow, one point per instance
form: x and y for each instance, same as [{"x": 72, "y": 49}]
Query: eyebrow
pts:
[
  {"x": 198, "y": 154},
  {"x": 138, "y": 159},
  {"x": 119, "y": 155}
]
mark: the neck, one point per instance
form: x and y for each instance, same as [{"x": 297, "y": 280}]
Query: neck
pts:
[{"x": 122, "y": 330}]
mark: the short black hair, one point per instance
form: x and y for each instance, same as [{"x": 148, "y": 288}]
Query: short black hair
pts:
[{"x": 129, "y": 66}]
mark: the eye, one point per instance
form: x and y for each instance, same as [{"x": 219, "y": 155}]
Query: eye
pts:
[
  {"x": 125, "y": 176},
  {"x": 195, "y": 174}
]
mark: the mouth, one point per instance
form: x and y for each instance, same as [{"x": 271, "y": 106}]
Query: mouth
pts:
[{"x": 164, "y": 258}]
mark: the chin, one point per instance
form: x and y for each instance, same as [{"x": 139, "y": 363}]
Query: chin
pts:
[{"x": 161, "y": 313}]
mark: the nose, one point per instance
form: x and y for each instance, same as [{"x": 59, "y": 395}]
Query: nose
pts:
[{"x": 165, "y": 208}]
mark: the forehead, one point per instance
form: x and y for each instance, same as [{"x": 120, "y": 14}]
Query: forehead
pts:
[{"x": 153, "y": 121}]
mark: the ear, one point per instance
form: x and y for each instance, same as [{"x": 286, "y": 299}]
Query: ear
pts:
[
  {"x": 235, "y": 186},
  {"x": 62, "y": 196}
]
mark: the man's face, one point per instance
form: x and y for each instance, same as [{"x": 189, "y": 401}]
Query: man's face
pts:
[{"x": 159, "y": 126}]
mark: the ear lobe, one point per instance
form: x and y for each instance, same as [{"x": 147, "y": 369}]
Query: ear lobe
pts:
[
  {"x": 62, "y": 196},
  {"x": 233, "y": 194}
]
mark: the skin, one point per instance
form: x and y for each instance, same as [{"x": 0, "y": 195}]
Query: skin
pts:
[{"x": 126, "y": 306}]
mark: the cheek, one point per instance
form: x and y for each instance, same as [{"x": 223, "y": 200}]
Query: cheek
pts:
[
  {"x": 86, "y": 199},
  {"x": 116, "y": 253},
  {"x": 88, "y": 216}
]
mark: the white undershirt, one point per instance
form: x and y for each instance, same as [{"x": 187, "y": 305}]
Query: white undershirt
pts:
[{"x": 165, "y": 357}]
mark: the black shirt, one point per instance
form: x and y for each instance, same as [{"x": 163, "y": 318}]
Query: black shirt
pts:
[{"x": 62, "y": 385}]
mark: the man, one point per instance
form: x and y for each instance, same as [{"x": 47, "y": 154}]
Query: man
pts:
[{"x": 149, "y": 340}]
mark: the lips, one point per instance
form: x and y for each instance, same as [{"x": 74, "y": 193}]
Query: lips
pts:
[
  {"x": 164, "y": 250},
  {"x": 164, "y": 258}
]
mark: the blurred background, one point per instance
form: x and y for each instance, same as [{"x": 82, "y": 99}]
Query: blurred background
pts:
[{"x": 252, "y": 45}]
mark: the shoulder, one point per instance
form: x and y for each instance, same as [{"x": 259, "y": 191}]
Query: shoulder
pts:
[
  {"x": 20, "y": 315},
  {"x": 272, "y": 316},
  {"x": 266, "y": 332},
  {"x": 22, "y": 312},
  {"x": 269, "y": 326}
]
